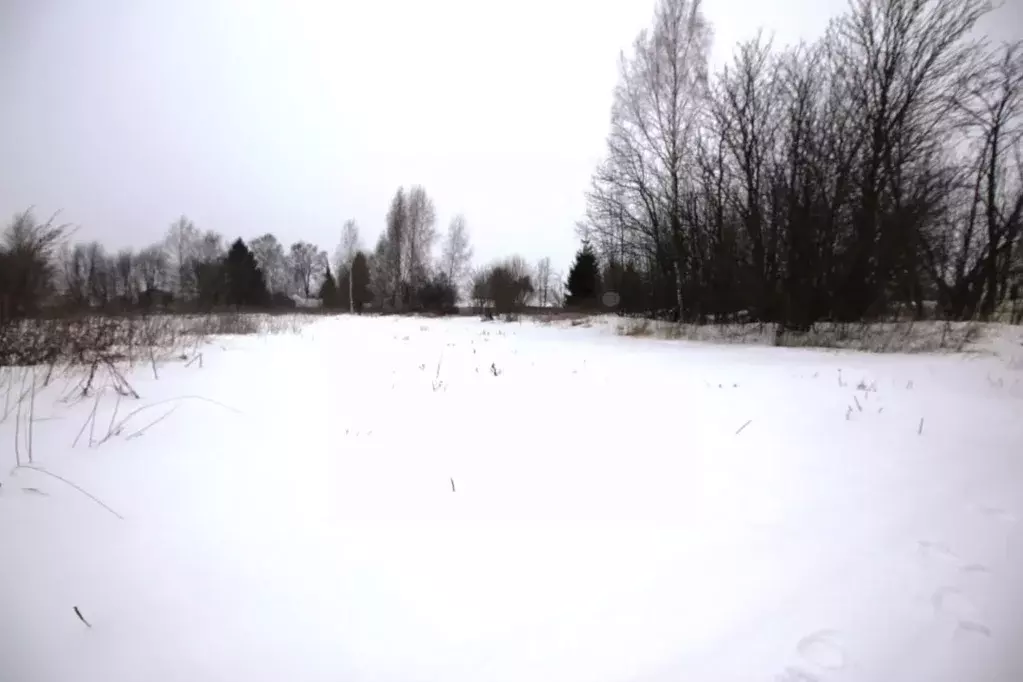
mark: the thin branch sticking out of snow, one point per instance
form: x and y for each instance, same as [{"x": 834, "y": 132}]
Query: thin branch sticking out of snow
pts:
[
  {"x": 73, "y": 485},
  {"x": 81, "y": 617}
]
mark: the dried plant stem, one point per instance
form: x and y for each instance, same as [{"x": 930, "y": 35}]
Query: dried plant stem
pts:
[
  {"x": 31, "y": 415},
  {"x": 73, "y": 485}
]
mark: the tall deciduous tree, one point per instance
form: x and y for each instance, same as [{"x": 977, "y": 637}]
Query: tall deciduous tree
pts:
[
  {"x": 420, "y": 235},
  {"x": 456, "y": 252},
  {"x": 272, "y": 261},
  {"x": 182, "y": 245},
  {"x": 543, "y": 282},
  {"x": 346, "y": 252},
  {"x": 307, "y": 264}
]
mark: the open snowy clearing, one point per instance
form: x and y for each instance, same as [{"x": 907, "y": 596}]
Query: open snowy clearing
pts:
[{"x": 412, "y": 499}]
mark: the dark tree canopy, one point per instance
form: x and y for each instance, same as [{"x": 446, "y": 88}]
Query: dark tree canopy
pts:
[
  {"x": 328, "y": 293},
  {"x": 243, "y": 280},
  {"x": 583, "y": 279}
]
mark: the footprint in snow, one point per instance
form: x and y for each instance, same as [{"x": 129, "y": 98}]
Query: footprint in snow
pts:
[
  {"x": 950, "y": 602},
  {"x": 937, "y": 551},
  {"x": 823, "y": 649},
  {"x": 976, "y": 569},
  {"x": 996, "y": 513},
  {"x": 796, "y": 675}
]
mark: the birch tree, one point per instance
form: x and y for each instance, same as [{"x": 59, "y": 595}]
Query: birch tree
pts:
[
  {"x": 272, "y": 261},
  {"x": 346, "y": 252},
  {"x": 456, "y": 253},
  {"x": 181, "y": 245}
]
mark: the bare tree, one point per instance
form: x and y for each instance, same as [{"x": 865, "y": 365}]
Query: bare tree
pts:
[
  {"x": 75, "y": 270},
  {"x": 272, "y": 261},
  {"x": 543, "y": 282},
  {"x": 746, "y": 116},
  {"x": 126, "y": 277},
  {"x": 556, "y": 290},
  {"x": 26, "y": 264},
  {"x": 345, "y": 257},
  {"x": 384, "y": 272},
  {"x": 210, "y": 247},
  {"x": 641, "y": 190},
  {"x": 390, "y": 250},
  {"x": 420, "y": 234},
  {"x": 153, "y": 268},
  {"x": 991, "y": 112},
  {"x": 182, "y": 244},
  {"x": 306, "y": 263},
  {"x": 456, "y": 253},
  {"x": 100, "y": 274},
  {"x": 896, "y": 63}
]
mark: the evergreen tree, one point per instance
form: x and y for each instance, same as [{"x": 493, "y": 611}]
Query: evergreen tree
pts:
[
  {"x": 328, "y": 291},
  {"x": 360, "y": 282},
  {"x": 583, "y": 286},
  {"x": 243, "y": 280},
  {"x": 210, "y": 284}
]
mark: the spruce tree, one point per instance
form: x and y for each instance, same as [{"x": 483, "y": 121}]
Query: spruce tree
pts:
[
  {"x": 360, "y": 282},
  {"x": 583, "y": 279},
  {"x": 244, "y": 282},
  {"x": 328, "y": 291}
]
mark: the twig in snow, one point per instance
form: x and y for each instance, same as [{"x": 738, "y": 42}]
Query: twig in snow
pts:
[
  {"x": 119, "y": 426},
  {"x": 31, "y": 415},
  {"x": 81, "y": 617},
  {"x": 113, "y": 416},
  {"x": 73, "y": 485},
  {"x": 452, "y": 485},
  {"x": 858, "y": 406},
  {"x": 743, "y": 427},
  {"x": 920, "y": 429},
  {"x": 120, "y": 382},
  {"x": 90, "y": 420}
]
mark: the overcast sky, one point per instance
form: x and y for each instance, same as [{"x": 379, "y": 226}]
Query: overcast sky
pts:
[{"x": 290, "y": 116}]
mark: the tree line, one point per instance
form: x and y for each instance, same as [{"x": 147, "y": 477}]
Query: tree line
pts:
[
  {"x": 44, "y": 271},
  {"x": 875, "y": 172}
]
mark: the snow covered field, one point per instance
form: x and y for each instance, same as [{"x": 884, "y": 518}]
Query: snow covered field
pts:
[{"x": 410, "y": 499}]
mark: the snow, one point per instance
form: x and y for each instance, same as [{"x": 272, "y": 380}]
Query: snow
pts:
[{"x": 420, "y": 499}]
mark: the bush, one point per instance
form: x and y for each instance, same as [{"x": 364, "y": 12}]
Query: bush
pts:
[{"x": 439, "y": 295}]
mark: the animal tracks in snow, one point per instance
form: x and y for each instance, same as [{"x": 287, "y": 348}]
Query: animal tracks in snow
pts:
[
  {"x": 941, "y": 554},
  {"x": 937, "y": 551},
  {"x": 796, "y": 675},
  {"x": 950, "y": 602},
  {"x": 823, "y": 649}
]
